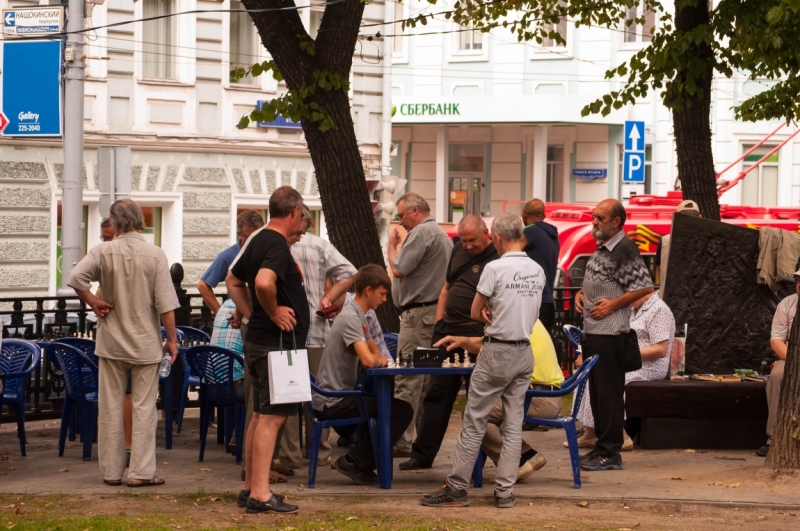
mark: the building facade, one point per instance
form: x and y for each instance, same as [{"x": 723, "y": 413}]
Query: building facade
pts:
[
  {"x": 480, "y": 118},
  {"x": 164, "y": 87}
]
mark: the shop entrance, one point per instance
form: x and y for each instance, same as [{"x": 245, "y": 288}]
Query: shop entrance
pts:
[{"x": 464, "y": 195}]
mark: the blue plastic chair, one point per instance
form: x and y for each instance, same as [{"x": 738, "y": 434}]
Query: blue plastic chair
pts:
[
  {"x": 391, "y": 343},
  {"x": 81, "y": 380},
  {"x": 574, "y": 336},
  {"x": 318, "y": 425},
  {"x": 18, "y": 358},
  {"x": 215, "y": 367},
  {"x": 195, "y": 334},
  {"x": 576, "y": 383}
]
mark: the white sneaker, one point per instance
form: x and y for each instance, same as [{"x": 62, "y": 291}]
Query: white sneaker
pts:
[
  {"x": 530, "y": 466},
  {"x": 584, "y": 443}
]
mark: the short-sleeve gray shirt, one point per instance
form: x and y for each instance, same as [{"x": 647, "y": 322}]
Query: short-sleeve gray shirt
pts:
[
  {"x": 338, "y": 370},
  {"x": 784, "y": 317},
  {"x": 422, "y": 261}
]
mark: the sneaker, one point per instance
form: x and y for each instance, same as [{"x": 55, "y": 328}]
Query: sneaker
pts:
[
  {"x": 360, "y": 476},
  {"x": 274, "y": 503},
  {"x": 601, "y": 462},
  {"x": 504, "y": 503},
  {"x": 763, "y": 451},
  {"x": 588, "y": 455},
  {"x": 414, "y": 464},
  {"x": 445, "y": 497},
  {"x": 530, "y": 466},
  {"x": 343, "y": 442},
  {"x": 627, "y": 445},
  {"x": 244, "y": 495}
]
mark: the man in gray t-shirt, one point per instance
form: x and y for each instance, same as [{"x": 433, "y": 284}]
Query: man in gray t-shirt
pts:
[
  {"x": 347, "y": 347},
  {"x": 419, "y": 267}
]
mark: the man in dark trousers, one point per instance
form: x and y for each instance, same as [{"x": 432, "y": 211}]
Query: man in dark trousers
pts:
[
  {"x": 542, "y": 246},
  {"x": 467, "y": 260},
  {"x": 615, "y": 277}
]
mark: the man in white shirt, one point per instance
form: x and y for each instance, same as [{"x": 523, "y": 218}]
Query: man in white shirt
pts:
[
  {"x": 508, "y": 298},
  {"x": 779, "y": 341}
]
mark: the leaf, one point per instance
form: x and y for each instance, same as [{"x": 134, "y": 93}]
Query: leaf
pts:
[
  {"x": 775, "y": 14},
  {"x": 583, "y": 504},
  {"x": 689, "y": 451},
  {"x": 677, "y": 478},
  {"x": 734, "y": 485},
  {"x": 63, "y": 470},
  {"x": 204, "y": 469},
  {"x": 351, "y": 518}
]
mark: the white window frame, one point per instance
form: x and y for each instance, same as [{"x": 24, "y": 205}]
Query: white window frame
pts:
[
  {"x": 257, "y": 56},
  {"x": 759, "y": 173},
  {"x": 639, "y": 42},
  {"x": 542, "y": 52},
  {"x": 400, "y": 57},
  {"x": 457, "y": 55},
  {"x": 175, "y": 74}
]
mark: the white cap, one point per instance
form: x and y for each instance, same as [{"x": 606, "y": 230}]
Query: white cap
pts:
[{"x": 688, "y": 205}]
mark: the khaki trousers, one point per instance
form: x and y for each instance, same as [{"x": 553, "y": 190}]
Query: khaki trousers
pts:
[
  {"x": 774, "y": 395},
  {"x": 113, "y": 380},
  {"x": 291, "y": 454},
  {"x": 543, "y": 408},
  {"x": 416, "y": 329}
]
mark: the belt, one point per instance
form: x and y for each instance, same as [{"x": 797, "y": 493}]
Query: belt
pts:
[
  {"x": 519, "y": 342},
  {"x": 413, "y": 305},
  {"x": 542, "y": 387}
]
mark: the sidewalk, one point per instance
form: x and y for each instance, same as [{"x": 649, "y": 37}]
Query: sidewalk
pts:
[{"x": 686, "y": 476}]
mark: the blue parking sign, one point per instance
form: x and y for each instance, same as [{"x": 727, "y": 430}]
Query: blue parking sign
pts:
[{"x": 633, "y": 167}]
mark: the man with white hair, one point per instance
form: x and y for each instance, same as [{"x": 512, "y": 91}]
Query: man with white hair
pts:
[
  {"x": 417, "y": 267},
  {"x": 507, "y": 299}
]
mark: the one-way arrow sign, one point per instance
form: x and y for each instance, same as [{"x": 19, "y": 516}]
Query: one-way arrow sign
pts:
[
  {"x": 634, "y": 136},
  {"x": 3, "y": 121},
  {"x": 9, "y": 20}
]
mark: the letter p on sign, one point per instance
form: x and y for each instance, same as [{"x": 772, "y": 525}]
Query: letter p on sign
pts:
[{"x": 633, "y": 167}]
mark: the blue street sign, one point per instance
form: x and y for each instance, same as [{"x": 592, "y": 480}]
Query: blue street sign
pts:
[
  {"x": 634, "y": 136},
  {"x": 31, "y": 96},
  {"x": 633, "y": 167},
  {"x": 279, "y": 122},
  {"x": 24, "y": 22},
  {"x": 590, "y": 174}
]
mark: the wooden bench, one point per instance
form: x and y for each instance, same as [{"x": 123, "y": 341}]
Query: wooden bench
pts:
[{"x": 692, "y": 414}]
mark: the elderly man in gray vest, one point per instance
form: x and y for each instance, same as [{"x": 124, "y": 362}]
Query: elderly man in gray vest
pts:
[
  {"x": 137, "y": 298},
  {"x": 418, "y": 267}
]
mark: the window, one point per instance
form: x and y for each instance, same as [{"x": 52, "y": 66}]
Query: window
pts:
[
  {"x": 637, "y": 32},
  {"x": 648, "y": 166},
  {"x": 760, "y": 186},
  {"x": 399, "y": 14},
  {"x": 466, "y": 157},
  {"x": 314, "y": 22},
  {"x": 560, "y": 28},
  {"x": 242, "y": 43},
  {"x": 158, "y": 40},
  {"x": 555, "y": 170},
  {"x": 152, "y": 225},
  {"x": 470, "y": 39}
]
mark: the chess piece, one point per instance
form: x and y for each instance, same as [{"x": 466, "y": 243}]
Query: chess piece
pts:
[
  {"x": 391, "y": 364},
  {"x": 456, "y": 360},
  {"x": 446, "y": 363},
  {"x": 467, "y": 364},
  {"x": 402, "y": 361}
]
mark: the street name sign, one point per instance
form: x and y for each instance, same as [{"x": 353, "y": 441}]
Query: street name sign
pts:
[{"x": 32, "y": 22}]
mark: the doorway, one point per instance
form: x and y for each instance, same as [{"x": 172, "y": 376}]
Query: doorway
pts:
[{"x": 464, "y": 195}]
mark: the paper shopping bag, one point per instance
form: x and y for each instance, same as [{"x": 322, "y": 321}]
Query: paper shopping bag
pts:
[{"x": 288, "y": 375}]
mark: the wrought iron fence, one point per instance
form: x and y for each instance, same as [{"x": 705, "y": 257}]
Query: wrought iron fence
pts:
[{"x": 49, "y": 318}]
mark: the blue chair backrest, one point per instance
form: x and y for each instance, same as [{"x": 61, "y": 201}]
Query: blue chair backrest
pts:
[
  {"x": 86, "y": 346},
  {"x": 391, "y": 343},
  {"x": 195, "y": 334},
  {"x": 576, "y": 382},
  {"x": 574, "y": 335},
  {"x": 80, "y": 374},
  {"x": 215, "y": 366},
  {"x": 16, "y": 357},
  {"x": 178, "y": 333}
]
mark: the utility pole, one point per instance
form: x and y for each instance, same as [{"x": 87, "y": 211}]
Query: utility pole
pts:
[{"x": 72, "y": 197}]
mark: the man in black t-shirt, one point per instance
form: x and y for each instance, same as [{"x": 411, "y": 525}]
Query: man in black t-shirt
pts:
[
  {"x": 542, "y": 246},
  {"x": 467, "y": 260},
  {"x": 267, "y": 287}
]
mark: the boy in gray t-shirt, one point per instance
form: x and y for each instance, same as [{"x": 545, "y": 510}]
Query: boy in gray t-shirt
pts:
[
  {"x": 346, "y": 348},
  {"x": 508, "y": 297}
]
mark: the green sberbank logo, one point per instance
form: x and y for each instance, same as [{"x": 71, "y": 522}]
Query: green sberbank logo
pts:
[{"x": 428, "y": 109}]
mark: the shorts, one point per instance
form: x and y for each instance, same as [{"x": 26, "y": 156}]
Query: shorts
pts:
[{"x": 255, "y": 356}]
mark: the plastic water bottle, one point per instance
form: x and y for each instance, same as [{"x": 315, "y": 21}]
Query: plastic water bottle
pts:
[{"x": 166, "y": 366}]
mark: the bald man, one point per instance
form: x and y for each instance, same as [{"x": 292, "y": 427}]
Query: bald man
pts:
[
  {"x": 615, "y": 277},
  {"x": 542, "y": 246},
  {"x": 467, "y": 261}
]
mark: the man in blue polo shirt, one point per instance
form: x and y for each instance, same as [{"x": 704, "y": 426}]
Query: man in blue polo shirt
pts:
[{"x": 247, "y": 223}]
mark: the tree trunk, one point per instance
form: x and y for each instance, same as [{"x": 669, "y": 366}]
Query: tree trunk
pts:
[
  {"x": 692, "y": 123},
  {"x": 784, "y": 452},
  {"x": 335, "y": 154}
]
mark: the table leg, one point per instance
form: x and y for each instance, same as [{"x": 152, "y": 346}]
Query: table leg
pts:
[{"x": 384, "y": 389}]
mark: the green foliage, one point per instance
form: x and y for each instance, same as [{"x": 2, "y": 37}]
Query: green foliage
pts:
[
  {"x": 757, "y": 37},
  {"x": 295, "y": 105}
]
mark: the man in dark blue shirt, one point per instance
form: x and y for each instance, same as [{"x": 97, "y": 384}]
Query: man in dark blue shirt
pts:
[{"x": 542, "y": 247}]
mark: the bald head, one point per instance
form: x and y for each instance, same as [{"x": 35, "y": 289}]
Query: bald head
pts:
[
  {"x": 533, "y": 211},
  {"x": 474, "y": 234},
  {"x": 608, "y": 219}
]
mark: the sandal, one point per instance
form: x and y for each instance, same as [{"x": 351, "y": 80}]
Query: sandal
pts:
[
  {"x": 275, "y": 477},
  {"x": 284, "y": 471},
  {"x": 113, "y": 482},
  {"x": 155, "y": 480}
]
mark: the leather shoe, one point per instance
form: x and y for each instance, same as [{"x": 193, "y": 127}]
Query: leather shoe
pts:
[{"x": 414, "y": 464}]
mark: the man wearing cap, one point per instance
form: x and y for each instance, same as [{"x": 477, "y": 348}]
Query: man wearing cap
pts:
[
  {"x": 779, "y": 341},
  {"x": 688, "y": 208}
]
